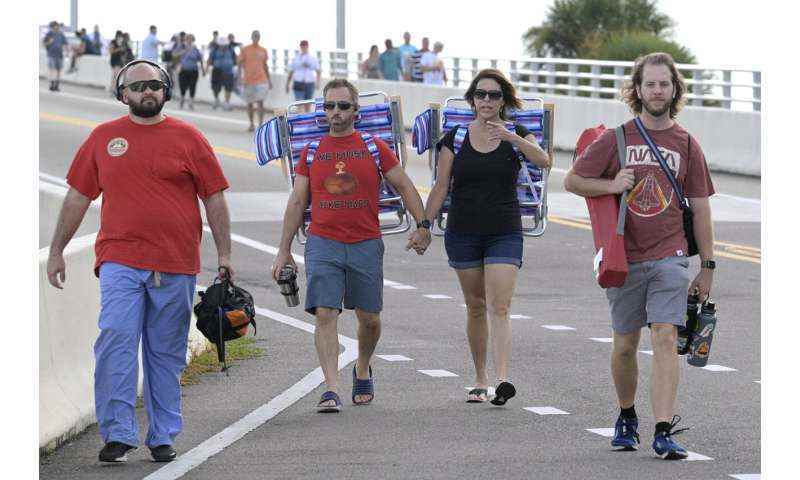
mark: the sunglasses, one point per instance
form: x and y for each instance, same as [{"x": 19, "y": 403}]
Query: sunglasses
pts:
[
  {"x": 154, "y": 85},
  {"x": 341, "y": 105},
  {"x": 480, "y": 94}
]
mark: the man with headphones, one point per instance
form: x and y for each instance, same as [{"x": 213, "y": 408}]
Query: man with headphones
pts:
[{"x": 150, "y": 169}]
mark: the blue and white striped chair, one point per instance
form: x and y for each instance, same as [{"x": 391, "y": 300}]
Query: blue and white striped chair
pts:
[
  {"x": 284, "y": 137},
  {"x": 432, "y": 124}
]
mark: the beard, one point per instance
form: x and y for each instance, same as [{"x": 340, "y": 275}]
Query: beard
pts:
[
  {"x": 342, "y": 125},
  {"x": 147, "y": 107},
  {"x": 657, "y": 112}
]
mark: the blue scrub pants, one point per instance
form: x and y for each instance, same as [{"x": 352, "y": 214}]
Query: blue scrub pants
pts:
[{"x": 133, "y": 307}]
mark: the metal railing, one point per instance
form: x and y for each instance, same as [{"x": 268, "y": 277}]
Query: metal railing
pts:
[{"x": 731, "y": 88}]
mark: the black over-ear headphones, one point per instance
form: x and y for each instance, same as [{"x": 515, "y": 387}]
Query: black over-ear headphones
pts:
[{"x": 164, "y": 77}]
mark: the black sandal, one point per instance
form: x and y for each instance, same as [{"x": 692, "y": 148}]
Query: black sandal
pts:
[{"x": 503, "y": 393}]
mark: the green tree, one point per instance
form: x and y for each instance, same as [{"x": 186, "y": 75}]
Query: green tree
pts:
[
  {"x": 573, "y": 25},
  {"x": 628, "y": 46}
]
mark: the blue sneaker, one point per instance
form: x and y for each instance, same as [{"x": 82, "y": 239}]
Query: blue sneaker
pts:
[
  {"x": 666, "y": 447},
  {"x": 625, "y": 434}
]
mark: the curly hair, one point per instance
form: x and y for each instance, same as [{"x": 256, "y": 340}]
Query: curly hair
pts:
[
  {"x": 631, "y": 97},
  {"x": 510, "y": 100}
]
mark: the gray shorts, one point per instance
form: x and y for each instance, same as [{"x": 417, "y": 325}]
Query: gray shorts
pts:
[
  {"x": 655, "y": 291},
  {"x": 55, "y": 63},
  {"x": 344, "y": 273},
  {"x": 255, "y": 93}
]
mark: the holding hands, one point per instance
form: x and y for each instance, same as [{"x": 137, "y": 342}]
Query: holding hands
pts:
[{"x": 419, "y": 240}]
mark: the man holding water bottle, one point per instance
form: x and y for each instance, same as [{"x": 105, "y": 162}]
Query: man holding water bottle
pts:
[{"x": 655, "y": 290}]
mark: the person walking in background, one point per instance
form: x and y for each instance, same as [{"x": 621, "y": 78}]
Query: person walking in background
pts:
[
  {"x": 406, "y": 51},
  {"x": 151, "y": 170},
  {"x": 222, "y": 62},
  {"x": 191, "y": 63},
  {"x": 657, "y": 285},
  {"x": 116, "y": 54},
  {"x": 483, "y": 238},
  {"x": 304, "y": 75},
  {"x": 150, "y": 45},
  {"x": 432, "y": 67},
  {"x": 391, "y": 62},
  {"x": 415, "y": 59},
  {"x": 78, "y": 50},
  {"x": 96, "y": 42},
  {"x": 254, "y": 69},
  {"x": 370, "y": 67},
  {"x": 56, "y": 45}
]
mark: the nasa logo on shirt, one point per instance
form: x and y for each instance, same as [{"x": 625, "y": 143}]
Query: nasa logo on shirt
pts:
[{"x": 117, "y": 147}]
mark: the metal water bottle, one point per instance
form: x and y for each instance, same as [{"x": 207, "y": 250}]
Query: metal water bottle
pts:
[
  {"x": 702, "y": 335},
  {"x": 685, "y": 333},
  {"x": 287, "y": 281}
]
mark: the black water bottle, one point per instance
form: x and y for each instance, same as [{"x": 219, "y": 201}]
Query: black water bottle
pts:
[
  {"x": 703, "y": 334},
  {"x": 685, "y": 333}
]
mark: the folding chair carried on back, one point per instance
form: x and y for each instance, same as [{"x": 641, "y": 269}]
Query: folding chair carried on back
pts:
[
  {"x": 432, "y": 124},
  {"x": 380, "y": 116}
]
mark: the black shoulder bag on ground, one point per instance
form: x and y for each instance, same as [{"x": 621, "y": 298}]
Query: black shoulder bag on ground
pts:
[{"x": 688, "y": 215}]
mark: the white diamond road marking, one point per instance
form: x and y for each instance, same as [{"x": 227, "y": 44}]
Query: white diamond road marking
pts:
[
  {"x": 437, "y": 296},
  {"x": 557, "y": 327},
  {"x": 746, "y": 476},
  {"x": 609, "y": 432},
  {"x": 546, "y": 411},
  {"x": 437, "y": 373},
  {"x": 489, "y": 390},
  {"x": 602, "y": 340},
  {"x": 394, "y": 358},
  {"x": 646, "y": 352},
  {"x": 402, "y": 287},
  {"x": 718, "y": 368},
  {"x": 517, "y": 317}
]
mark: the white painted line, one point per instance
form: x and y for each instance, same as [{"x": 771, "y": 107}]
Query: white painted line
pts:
[
  {"x": 437, "y": 373},
  {"x": 602, "y": 339},
  {"x": 646, "y": 352},
  {"x": 746, "y": 476},
  {"x": 258, "y": 417},
  {"x": 557, "y": 327},
  {"x": 389, "y": 283},
  {"x": 437, "y": 296},
  {"x": 519, "y": 317},
  {"x": 718, "y": 368},
  {"x": 741, "y": 199},
  {"x": 394, "y": 358},
  {"x": 489, "y": 390},
  {"x": 464, "y": 305},
  {"x": 696, "y": 457},
  {"x": 403, "y": 287},
  {"x": 606, "y": 432},
  {"x": 546, "y": 411},
  {"x": 757, "y": 381}
]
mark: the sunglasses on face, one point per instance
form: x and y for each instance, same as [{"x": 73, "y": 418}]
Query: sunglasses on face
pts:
[
  {"x": 480, "y": 94},
  {"x": 341, "y": 105},
  {"x": 154, "y": 85}
]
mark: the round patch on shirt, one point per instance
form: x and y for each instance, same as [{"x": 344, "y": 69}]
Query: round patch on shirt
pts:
[{"x": 117, "y": 147}]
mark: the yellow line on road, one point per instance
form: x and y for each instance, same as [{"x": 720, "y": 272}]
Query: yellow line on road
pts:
[{"x": 731, "y": 250}]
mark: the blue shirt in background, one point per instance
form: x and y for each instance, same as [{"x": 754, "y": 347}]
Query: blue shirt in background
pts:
[{"x": 391, "y": 64}]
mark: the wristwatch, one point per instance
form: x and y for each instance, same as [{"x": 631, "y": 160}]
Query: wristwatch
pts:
[
  {"x": 424, "y": 224},
  {"x": 709, "y": 264}
]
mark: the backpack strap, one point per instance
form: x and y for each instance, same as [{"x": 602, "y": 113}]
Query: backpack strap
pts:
[
  {"x": 458, "y": 140},
  {"x": 312, "y": 150},
  {"x": 369, "y": 140}
]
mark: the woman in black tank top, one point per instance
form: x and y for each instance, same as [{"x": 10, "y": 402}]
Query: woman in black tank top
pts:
[{"x": 483, "y": 238}]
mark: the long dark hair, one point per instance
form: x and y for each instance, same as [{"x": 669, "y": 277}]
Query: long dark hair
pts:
[
  {"x": 631, "y": 97},
  {"x": 510, "y": 100}
]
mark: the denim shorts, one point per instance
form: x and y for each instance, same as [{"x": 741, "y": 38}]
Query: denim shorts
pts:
[
  {"x": 303, "y": 90},
  {"x": 471, "y": 250},
  {"x": 344, "y": 273},
  {"x": 654, "y": 292}
]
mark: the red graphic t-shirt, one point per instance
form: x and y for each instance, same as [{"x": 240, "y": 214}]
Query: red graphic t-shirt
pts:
[
  {"x": 654, "y": 223},
  {"x": 344, "y": 182},
  {"x": 150, "y": 177}
]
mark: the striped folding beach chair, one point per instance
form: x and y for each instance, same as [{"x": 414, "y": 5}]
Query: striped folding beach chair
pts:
[
  {"x": 432, "y": 124},
  {"x": 284, "y": 137}
]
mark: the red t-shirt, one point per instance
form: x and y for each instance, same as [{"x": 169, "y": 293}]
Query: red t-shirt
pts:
[
  {"x": 654, "y": 223},
  {"x": 344, "y": 183},
  {"x": 150, "y": 177}
]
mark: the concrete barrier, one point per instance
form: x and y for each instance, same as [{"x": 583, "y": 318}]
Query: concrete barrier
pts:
[
  {"x": 731, "y": 139},
  {"x": 67, "y": 332}
]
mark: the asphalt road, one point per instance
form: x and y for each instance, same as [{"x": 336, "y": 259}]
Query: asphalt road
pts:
[{"x": 419, "y": 425}]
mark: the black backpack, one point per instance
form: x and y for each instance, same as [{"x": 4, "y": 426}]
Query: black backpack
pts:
[{"x": 224, "y": 313}]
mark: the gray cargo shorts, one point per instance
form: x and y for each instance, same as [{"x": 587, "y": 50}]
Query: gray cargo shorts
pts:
[
  {"x": 344, "y": 273},
  {"x": 655, "y": 291}
]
